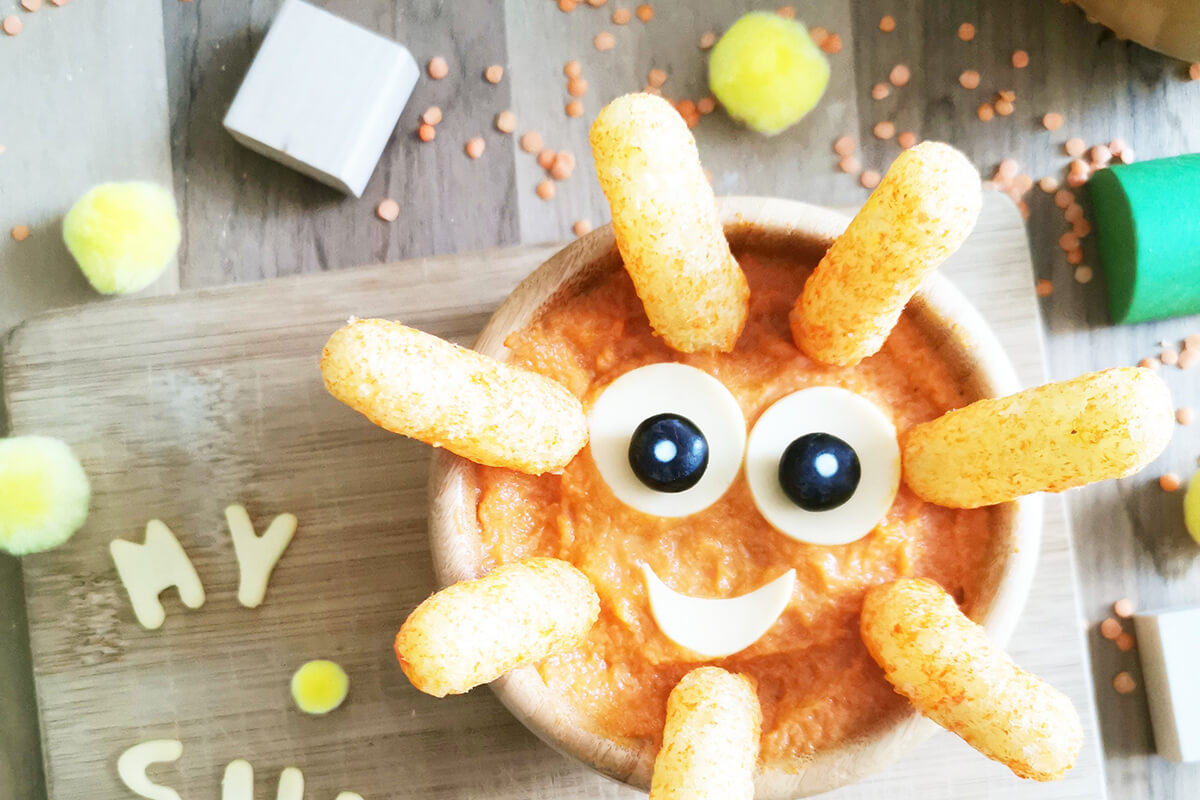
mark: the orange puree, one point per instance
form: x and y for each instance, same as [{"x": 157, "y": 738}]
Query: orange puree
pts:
[{"x": 817, "y": 684}]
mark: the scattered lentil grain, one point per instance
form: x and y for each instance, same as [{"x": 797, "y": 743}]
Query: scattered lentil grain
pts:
[
  {"x": 1125, "y": 642},
  {"x": 1083, "y": 274},
  {"x": 604, "y": 41},
  {"x": 884, "y": 130},
  {"x": 1124, "y": 683},
  {"x": 581, "y": 227},
  {"x": 437, "y": 68},
  {"x": 1169, "y": 482},
  {"x": 850, "y": 165},
  {"x": 621, "y": 16},
  {"x": 1123, "y": 608},
  {"x": 1075, "y": 147},
  {"x": 969, "y": 79},
  {"x": 475, "y": 146},
  {"x": 906, "y": 139},
  {"x": 1052, "y": 121},
  {"x": 1110, "y": 628},
  {"x": 1044, "y": 288},
  {"x": 1185, "y": 415},
  {"x": 574, "y": 109},
  {"x": 494, "y": 74},
  {"x": 1020, "y": 59},
  {"x": 531, "y": 141},
  {"x": 563, "y": 166},
  {"x": 506, "y": 122},
  {"x": 645, "y": 12},
  {"x": 426, "y": 132},
  {"x": 388, "y": 210},
  {"x": 545, "y": 190},
  {"x": 887, "y": 24},
  {"x": 869, "y": 179},
  {"x": 832, "y": 44},
  {"x": 19, "y": 233},
  {"x": 900, "y": 75},
  {"x": 966, "y": 31},
  {"x": 986, "y": 112}
]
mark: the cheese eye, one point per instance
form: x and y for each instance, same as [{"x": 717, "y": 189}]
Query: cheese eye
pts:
[
  {"x": 668, "y": 439},
  {"x": 823, "y": 465}
]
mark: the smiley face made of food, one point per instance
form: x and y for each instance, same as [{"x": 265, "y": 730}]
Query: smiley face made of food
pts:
[{"x": 732, "y": 503}]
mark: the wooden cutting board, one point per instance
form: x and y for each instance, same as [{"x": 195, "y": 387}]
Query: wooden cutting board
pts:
[{"x": 181, "y": 405}]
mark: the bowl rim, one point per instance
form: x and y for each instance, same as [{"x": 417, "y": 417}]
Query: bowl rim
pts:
[{"x": 454, "y": 531}]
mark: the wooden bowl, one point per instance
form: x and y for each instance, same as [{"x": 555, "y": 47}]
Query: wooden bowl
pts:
[{"x": 959, "y": 333}]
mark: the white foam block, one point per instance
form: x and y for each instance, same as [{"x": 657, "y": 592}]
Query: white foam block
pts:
[
  {"x": 322, "y": 96},
  {"x": 1169, "y": 645}
]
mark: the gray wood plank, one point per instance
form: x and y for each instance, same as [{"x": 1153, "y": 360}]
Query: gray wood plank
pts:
[
  {"x": 76, "y": 110},
  {"x": 248, "y": 218}
]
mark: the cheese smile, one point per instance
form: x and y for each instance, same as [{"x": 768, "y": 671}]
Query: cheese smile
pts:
[{"x": 716, "y": 627}]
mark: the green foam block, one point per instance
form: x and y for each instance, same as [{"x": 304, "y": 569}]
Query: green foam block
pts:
[{"x": 1147, "y": 218}]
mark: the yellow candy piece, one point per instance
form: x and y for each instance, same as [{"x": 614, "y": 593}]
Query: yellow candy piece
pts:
[
  {"x": 44, "y": 494},
  {"x": 767, "y": 72},
  {"x": 122, "y": 235},
  {"x": 1191, "y": 507},
  {"x": 319, "y": 687}
]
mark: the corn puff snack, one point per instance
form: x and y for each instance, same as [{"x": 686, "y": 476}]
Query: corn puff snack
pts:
[
  {"x": 418, "y": 385},
  {"x": 1102, "y": 425},
  {"x": 666, "y": 224},
  {"x": 710, "y": 741},
  {"x": 919, "y": 214},
  {"x": 943, "y": 662},
  {"x": 475, "y": 631}
]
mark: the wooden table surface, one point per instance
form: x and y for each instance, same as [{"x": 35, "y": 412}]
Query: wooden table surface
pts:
[{"x": 115, "y": 89}]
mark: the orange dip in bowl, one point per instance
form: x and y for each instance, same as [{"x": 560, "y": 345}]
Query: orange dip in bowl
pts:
[{"x": 818, "y": 686}]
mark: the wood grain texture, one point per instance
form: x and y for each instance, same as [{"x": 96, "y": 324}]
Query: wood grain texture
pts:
[
  {"x": 74, "y": 111},
  {"x": 248, "y": 218},
  {"x": 230, "y": 407}
]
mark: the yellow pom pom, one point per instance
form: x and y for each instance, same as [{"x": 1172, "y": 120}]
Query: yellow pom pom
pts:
[
  {"x": 123, "y": 235},
  {"x": 319, "y": 687},
  {"x": 44, "y": 494},
  {"x": 767, "y": 72},
  {"x": 1191, "y": 507}
]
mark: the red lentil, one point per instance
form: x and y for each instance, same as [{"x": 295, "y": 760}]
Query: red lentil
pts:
[{"x": 438, "y": 68}]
